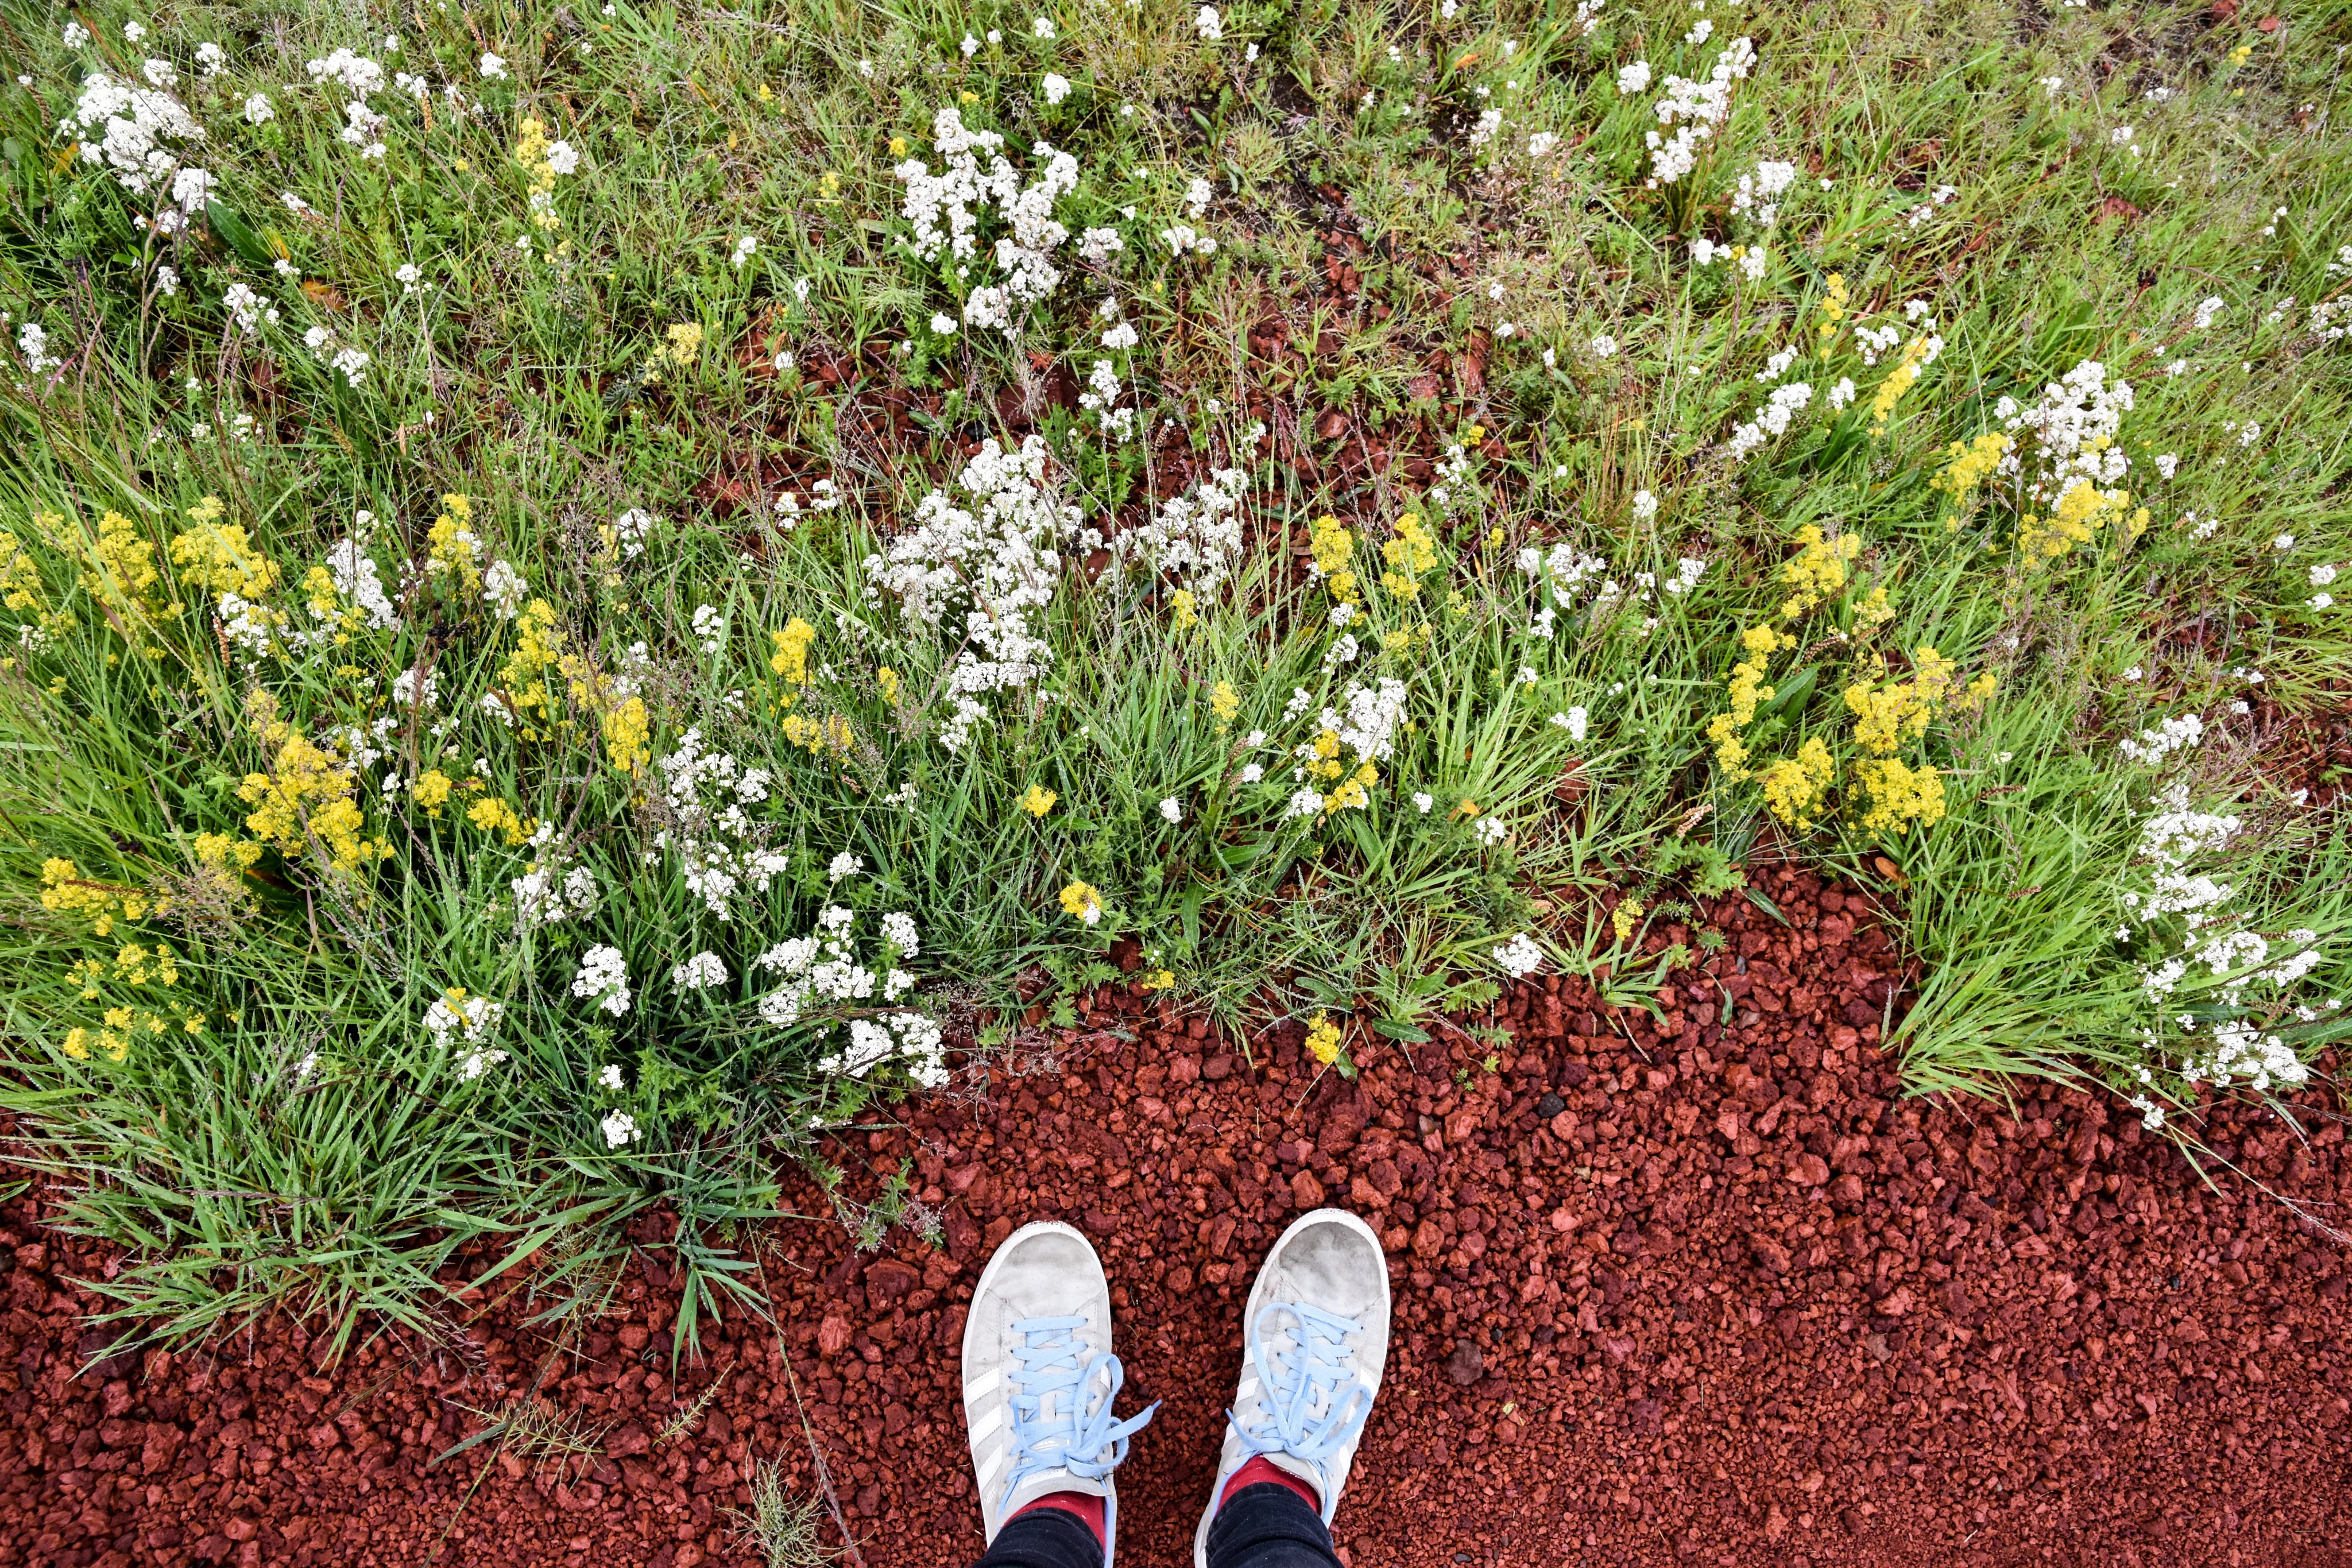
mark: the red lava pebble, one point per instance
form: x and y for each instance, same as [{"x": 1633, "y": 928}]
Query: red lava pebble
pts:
[{"x": 1698, "y": 1288}]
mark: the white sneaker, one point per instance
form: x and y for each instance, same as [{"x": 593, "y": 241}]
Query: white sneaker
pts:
[
  {"x": 1039, "y": 1378},
  {"x": 1317, "y": 1338}
]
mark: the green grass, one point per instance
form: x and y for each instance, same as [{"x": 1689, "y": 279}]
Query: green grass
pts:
[{"x": 279, "y": 1124}]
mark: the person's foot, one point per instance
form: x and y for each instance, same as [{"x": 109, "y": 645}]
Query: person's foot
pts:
[
  {"x": 1315, "y": 1338},
  {"x": 1039, "y": 1379}
]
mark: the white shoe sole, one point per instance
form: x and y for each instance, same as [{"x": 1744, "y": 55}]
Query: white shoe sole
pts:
[{"x": 1313, "y": 1217}]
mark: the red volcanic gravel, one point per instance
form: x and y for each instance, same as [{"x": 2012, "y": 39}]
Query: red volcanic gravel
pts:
[{"x": 1696, "y": 1290}]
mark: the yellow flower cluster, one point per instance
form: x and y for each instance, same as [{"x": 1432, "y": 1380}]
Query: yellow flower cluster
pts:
[
  {"x": 1224, "y": 702},
  {"x": 1818, "y": 570},
  {"x": 1038, "y": 800},
  {"x": 791, "y": 658},
  {"x": 1795, "y": 787},
  {"x": 308, "y": 793},
  {"x": 681, "y": 343},
  {"x": 1081, "y": 902},
  {"x": 628, "y": 732},
  {"x": 832, "y": 732},
  {"x": 1408, "y": 555},
  {"x": 1184, "y": 611},
  {"x": 1833, "y": 306},
  {"x": 120, "y": 572},
  {"x": 2077, "y": 519},
  {"x": 1886, "y": 716},
  {"x": 1323, "y": 1039},
  {"x": 523, "y": 680},
  {"x": 1898, "y": 382},
  {"x": 1334, "y": 546},
  {"x": 1746, "y": 689},
  {"x": 66, "y": 891},
  {"x": 1968, "y": 464},
  {"x": 21, "y": 587},
  {"x": 493, "y": 815},
  {"x": 221, "y": 560},
  {"x": 1898, "y": 795},
  {"x": 530, "y": 151},
  {"x": 222, "y": 859},
  {"x": 452, "y": 547}
]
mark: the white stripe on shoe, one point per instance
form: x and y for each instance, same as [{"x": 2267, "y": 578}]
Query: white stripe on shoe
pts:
[{"x": 983, "y": 1386}]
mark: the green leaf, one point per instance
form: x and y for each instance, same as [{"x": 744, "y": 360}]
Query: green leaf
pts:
[{"x": 237, "y": 234}]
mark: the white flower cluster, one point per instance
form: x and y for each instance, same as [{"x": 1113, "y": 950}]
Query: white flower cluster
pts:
[
  {"x": 997, "y": 561},
  {"x": 603, "y": 978},
  {"x": 1366, "y": 722},
  {"x": 1564, "y": 570},
  {"x": 1701, "y": 105},
  {"x": 471, "y": 1021},
  {"x": 962, "y": 191},
  {"x": 548, "y": 893},
  {"x": 1770, "y": 418},
  {"x": 1197, "y": 538},
  {"x": 1520, "y": 956},
  {"x": 716, "y": 842},
  {"x": 361, "y": 77},
  {"x": 702, "y": 972},
  {"x": 822, "y": 969},
  {"x": 2162, "y": 739},
  {"x": 2173, "y": 842},
  {"x": 2075, "y": 428},
  {"x": 1760, "y": 194},
  {"x": 132, "y": 125}
]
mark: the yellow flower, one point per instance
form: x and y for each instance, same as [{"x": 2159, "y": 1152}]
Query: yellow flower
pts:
[
  {"x": 1081, "y": 902},
  {"x": 1882, "y": 407},
  {"x": 1184, "y": 613},
  {"x": 493, "y": 815},
  {"x": 432, "y": 791},
  {"x": 221, "y": 560},
  {"x": 791, "y": 658},
  {"x": 1793, "y": 787},
  {"x": 1817, "y": 572},
  {"x": 1160, "y": 980},
  {"x": 1969, "y": 464},
  {"x": 830, "y": 734},
  {"x": 1323, "y": 1039},
  {"x": 627, "y": 729},
  {"x": 1833, "y": 306},
  {"x": 1038, "y": 800},
  {"x": 1622, "y": 919},
  {"x": 1333, "y": 545},
  {"x": 1898, "y": 795},
  {"x": 683, "y": 342},
  {"x": 1224, "y": 702},
  {"x": 889, "y": 679},
  {"x": 1408, "y": 555}
]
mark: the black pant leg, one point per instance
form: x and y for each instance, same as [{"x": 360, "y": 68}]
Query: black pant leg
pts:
[{"x": 1269, "y": 1526}]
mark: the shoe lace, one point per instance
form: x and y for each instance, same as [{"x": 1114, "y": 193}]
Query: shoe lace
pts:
[
  {"x": 1052, "y": 1427},
  {"x": 1310, "y": 1403}
]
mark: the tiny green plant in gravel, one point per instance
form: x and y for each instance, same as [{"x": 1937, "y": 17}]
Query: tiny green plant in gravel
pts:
[{"x": 590, "y": 586}]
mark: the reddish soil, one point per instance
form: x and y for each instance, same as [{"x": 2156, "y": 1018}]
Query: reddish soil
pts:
[{"x": 1704, "y": 1291}]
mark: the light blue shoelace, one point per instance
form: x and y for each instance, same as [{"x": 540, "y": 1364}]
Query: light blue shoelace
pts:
[
  {"x": 1317, "y": 1360},
  {"x": 1048, "y": 1392}
]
